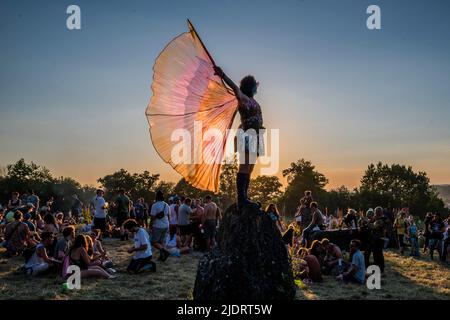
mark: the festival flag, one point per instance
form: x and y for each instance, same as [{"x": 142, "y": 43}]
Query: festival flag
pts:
[{"x": 187, "y": 95}]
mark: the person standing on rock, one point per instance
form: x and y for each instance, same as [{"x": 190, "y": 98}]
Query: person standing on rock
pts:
[{"x": 251, "y": 123}]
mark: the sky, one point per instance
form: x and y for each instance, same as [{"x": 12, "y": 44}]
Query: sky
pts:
[{"x": 343, "y": 96}]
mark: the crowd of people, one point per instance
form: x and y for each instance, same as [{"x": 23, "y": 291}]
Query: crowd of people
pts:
[
  {"x": 50, "y": 241},
  {"x": 372, "y": 233}
]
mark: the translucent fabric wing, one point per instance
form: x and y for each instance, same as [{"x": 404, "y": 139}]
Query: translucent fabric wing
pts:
[{"x": 188, "y": 97}]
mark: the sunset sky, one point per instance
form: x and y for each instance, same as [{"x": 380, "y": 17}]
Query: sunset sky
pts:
[{"x": 342, "y": 96}]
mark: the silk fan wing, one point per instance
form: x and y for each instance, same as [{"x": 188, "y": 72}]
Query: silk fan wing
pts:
[{"x": 189, "y": 100}]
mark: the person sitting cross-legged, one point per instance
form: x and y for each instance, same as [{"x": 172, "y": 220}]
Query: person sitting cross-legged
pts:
[{"x": 142, "y": 250}]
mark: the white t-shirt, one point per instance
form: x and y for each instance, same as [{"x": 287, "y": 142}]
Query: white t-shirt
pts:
[
  {"x": 173, "y": 214},
  {"x": 35, "y": 258},
  {"x": 157, "y": 207},
  {"x": 171, "y": 243},
  {"x": 99, "y": 203},
  {"x": 140, "y": 238}
]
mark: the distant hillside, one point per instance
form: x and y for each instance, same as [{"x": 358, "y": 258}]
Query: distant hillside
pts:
[{"x": 444, "y": 192}]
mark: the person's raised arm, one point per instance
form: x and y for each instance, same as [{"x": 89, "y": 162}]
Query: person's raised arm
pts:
[{"x": 238, "y": 93}]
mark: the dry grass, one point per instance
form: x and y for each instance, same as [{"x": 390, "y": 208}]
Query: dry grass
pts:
[
  {"x": 406, "y": 278},
  {"x": 173, "y": 279}
]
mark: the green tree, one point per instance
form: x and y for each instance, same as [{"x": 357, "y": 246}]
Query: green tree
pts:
[
  {"x": 398, "y": 186},
  {"x": 137, "y": 184},
  {"x": 227, "y": 185},
  {"x": 21, "y": 176},
  {"x": 341, "y": 198},
  {"x": 184, "y": 189},
  {"x": 265, "y": 189},
  {"x": 301, "y": 176},
  {"x": 166, "y": 187}
]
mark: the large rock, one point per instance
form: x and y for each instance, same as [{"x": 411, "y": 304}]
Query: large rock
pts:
[{"x": 250, "y": 262}]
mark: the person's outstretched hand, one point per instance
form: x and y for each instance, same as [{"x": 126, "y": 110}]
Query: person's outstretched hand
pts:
[{"x": 218, "y": 71}]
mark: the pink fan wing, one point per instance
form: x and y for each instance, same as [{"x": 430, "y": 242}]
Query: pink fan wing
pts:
[{"x": 186, "y": 92}]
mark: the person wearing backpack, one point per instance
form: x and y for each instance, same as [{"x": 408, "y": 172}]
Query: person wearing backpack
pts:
[
  {"x": 17, "y": 236},
  {"x": 160, "y": 217},
  {"x": 40, "y": 262}
]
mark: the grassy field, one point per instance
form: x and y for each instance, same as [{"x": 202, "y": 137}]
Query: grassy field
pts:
[{"x": 406, "y": 278}]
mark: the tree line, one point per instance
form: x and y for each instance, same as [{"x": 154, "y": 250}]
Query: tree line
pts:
[{"x": 391, "y": 186}]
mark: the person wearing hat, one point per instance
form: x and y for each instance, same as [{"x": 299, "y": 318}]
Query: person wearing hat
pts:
[{"x": 40, "y": 261}]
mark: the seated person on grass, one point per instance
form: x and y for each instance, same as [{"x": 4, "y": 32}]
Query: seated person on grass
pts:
[
  {"x": 314, "y": 272},
  {"x": 96, "y": 236},
  {"x": 27, "y": 221},
  {"x": 318, "y": 251},
  {"x": 63, "y": 244},
  {"x": 40, "y": 262},
  {"x": 173, "y": 243},
  {"x": 78, "y": 255},
  {"x": 357, "y": 271},
  {"x": 50, "y": 224},
  {"x": 39, "y": 223},
  {"x": 333, "y": 263},
  {"x": 17, "y": 236},
  {"x": 142, "y": 250}
]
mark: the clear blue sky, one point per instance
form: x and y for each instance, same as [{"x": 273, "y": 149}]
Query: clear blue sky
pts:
[{"x": 343, "y": 96}]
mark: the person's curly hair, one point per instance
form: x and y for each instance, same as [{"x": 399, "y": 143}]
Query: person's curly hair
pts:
[{"x": 248, "y": 85}]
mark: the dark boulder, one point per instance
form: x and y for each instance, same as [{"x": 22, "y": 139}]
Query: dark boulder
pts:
[{"x": 250, "y": 262}]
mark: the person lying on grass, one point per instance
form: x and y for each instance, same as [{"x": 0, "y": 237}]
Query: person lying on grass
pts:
[
  {"x": 142, "y": 250},
  {"x": 40, "y": 262},
  {"x": 357, "y": 271},
  {"x": 78, "y": 255},
  {"x": 173, "y": 243}
]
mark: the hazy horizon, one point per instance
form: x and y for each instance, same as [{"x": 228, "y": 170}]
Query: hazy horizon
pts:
[{"x": 342, "y": 96}]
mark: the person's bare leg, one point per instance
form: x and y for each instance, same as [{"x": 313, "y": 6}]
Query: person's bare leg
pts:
[
  {"x": 95, "y": 271},
  {"x": 188, "y": 241}
]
